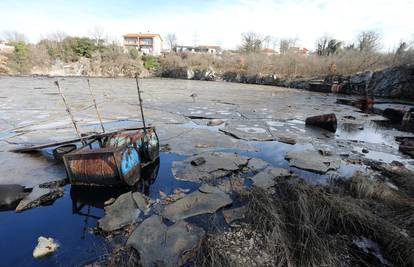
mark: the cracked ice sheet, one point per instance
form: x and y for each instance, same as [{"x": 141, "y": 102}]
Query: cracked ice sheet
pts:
[
  {"x": 29, "y": 170},
  {"x": 205, "y": 110},
  {"x": 218, "y": 164},
  {"x": 190, "y": 141}
]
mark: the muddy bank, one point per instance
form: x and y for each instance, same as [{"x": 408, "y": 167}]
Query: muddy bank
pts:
[{"x": 395, "y": 82}]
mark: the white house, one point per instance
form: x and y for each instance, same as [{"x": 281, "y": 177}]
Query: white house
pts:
[
  {"x": 210, "y": 49},
  {"x": 147, "y": 43},
  {"x": 5, "y": 47}
]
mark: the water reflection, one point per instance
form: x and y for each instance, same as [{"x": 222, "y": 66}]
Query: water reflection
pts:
[
  {"x": 83, "y": 197},
  {"x": 372, "y": 132}
]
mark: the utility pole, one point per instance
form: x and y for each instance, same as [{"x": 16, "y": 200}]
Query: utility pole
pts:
[{"x": 195, "y": 38}]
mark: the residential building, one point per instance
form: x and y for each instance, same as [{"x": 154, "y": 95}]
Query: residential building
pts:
[
  {"x": 269, "y": 51},
  {"x": 184, "y": 48},
  {"x": 298, "y": 50},
  {"x": 147, "y": 43},
  {"x": 210, "y": 49},
  {"x": 5, "y": 47}
]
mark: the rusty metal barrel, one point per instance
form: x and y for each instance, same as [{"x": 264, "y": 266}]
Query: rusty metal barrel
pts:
[
  {"x": 326, "y": 121},
  {"x": 151, "y": 145}
]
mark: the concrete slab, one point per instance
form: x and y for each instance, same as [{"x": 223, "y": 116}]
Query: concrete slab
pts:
[
  {"x": 159, "y": 245},
  {"x": 218, "y": 164},
  {"x": 313, "y": 161},
  {"x": 122, "y": 212},
  {"x": 195, "y": 204}
]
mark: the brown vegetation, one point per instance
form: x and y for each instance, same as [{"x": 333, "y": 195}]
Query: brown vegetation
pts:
[
  {"x": 94, "y": 56},
  {"x": 305, "y": 225},
  {"x": 83, "y": 56},
  {"x": 291, "y": 64}
]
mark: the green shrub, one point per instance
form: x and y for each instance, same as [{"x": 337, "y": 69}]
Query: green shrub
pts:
[
  {"x": 150, "y": 62},
  {"x": 84, "y": 47},
  {"x": 133, "y": 53},
  {"x": 20, "y": 59}
]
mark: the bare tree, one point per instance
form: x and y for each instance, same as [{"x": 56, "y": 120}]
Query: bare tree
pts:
[
  {"x": 252, "y": 42},
  {"x": 171, "y": 40},
  {"x": 368, "y": 41},
  {"x": 285, "y": 44},
  {"x": 267, "y": 41},
  {"x": 326, "y": 46},
  {"x": 57, "y": 36},
  {"x": 97, "y": 34},
  {"x": 14, "y": 36},
  {"x": 322, "y": 45}
]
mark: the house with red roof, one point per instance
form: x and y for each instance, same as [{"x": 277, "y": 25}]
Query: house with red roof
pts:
[{"x": 146, "y": 43}]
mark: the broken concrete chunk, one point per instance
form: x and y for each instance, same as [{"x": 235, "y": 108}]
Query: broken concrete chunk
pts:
[
  {"x": 215, "y": 122},
  {"x": 327, "y": 122},
  {"x": 256, "y": 164},
  {"x": 143, "y": 202},
  {"x": 286, "y": 140},
  {"x": 159, "y": 245},
  {"x": 38, "y": 196},
  {"x": 109, "y": 201},
  {"x": 45, "y": 246},
  {"x": 218, "y": 164},
  {"x": 251, "y": 131},
  {"x": 209, "y": 189},
  {"x": 313, "y": 161},
  {"x": 195, "y": 204},
  {"x": 266, "y": 178},
  {"x": 122, "y": 212},
  {"x": 234, "y": 214},
  {"x": 198, "y": 161}
]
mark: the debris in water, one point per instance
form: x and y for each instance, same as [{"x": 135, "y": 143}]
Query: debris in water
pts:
[
  {"x": 313, "y": 161},
  {"x": 45, "y": 246},
  {"x": 218, "y": 164},
  {"x": 327, "y": 122},
  {"x": 38, "y": 196},
  {"x": 198, "y": 161},
  {"x": 215, "y": 122},
  {"x": 122, "y": 212},
  {"x": 266, "y": 178}
]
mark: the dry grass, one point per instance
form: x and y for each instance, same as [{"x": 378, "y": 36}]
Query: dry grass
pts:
[
  {"x": 306, "y": 226},
  {"x": 396, "y": 206},
  {"x": 286, "y": 65}
]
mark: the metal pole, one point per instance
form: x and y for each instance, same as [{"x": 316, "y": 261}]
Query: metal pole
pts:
[
  {"x": 140, "y": 102},
  {"x": 70, "y": 113},
  {"x": 94, "y": 103}
]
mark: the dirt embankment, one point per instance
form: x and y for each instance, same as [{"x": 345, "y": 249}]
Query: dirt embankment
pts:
[{"x": 393, "y": 82}]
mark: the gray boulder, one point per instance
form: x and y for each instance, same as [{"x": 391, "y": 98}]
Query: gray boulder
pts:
[{"x": 395, "y": 82}]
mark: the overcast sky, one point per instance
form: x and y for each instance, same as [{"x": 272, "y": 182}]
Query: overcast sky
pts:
[{"x": 214, "y": 21}]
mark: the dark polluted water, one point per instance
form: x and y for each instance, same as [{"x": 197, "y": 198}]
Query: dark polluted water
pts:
[{"x": 69, "y": 219}]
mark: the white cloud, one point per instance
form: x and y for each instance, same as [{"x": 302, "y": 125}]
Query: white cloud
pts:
[{"x": 222, "y": 21}]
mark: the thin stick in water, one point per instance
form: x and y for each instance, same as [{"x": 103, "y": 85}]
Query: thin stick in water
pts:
[
  {"x": 96, "y": 107},
  {"x": 140, "y": 102},
  {"x": 70, "y": 113}
]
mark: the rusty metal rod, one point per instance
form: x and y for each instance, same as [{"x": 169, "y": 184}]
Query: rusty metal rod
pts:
[
  {"x": 96, "y": 107},
  {"x": 70, "y": 113},
  {"x": 140, "y": 102}
]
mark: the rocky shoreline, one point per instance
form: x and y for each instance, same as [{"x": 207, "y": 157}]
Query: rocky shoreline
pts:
[{"x": 394, "y": 82}]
